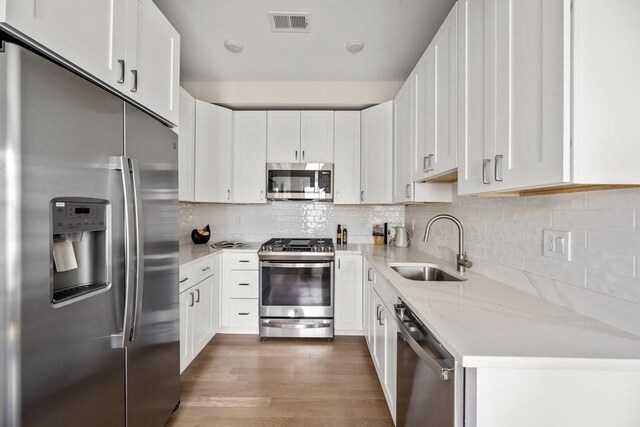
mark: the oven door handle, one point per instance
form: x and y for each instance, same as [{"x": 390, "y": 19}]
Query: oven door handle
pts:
[{"x": 296, "y": 264}]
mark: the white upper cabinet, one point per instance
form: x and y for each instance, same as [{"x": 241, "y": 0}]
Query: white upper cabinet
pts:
[
  {"x": 88, "y": 33},
  {"x": 527, "y": 69},
  {"x": 346, "y": 167},
  {"x": 300, "y": 137},
  {"x": 316, "y": 136},
  {"x": 435, "y": 146},
  {"x": 153, "y": 60},
  {"x": 113, "y": 41},
  {"x": 376, "y": 158},
  {"x": 404, "y": 121},
  {"x": 186, "y": 147},
  {"x": 283, "y": 137},
  {"x": 250, "y": 156},
  {"x": 213, "y": 154}
]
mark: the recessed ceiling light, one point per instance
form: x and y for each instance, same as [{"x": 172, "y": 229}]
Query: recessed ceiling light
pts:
[
  {"x": 233, "y": 45},
  {"x": 355, "y": 46}
]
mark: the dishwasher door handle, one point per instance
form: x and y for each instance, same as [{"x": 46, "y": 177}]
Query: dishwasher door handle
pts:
[{"x": 445, "y": 373}]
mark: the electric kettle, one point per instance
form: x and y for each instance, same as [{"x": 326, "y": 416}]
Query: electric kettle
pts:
[{"x": 403, "y": 237}]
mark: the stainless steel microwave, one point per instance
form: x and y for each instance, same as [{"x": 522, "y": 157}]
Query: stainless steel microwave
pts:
[{"x": 300, "y": 181}]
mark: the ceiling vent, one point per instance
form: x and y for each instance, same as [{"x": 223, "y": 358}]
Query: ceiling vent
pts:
[{"x": 287, "y": 22}]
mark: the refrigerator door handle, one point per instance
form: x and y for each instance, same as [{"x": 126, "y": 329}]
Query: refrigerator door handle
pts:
[
  {"x": 120, "y": 340},
  {"x": 139, "y": 233}
]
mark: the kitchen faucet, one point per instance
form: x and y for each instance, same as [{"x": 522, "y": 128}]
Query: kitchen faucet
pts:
[{"x": 462, "y": 262}]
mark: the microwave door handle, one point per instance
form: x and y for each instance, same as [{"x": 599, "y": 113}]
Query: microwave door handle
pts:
[{"x": 121, "y": 339}]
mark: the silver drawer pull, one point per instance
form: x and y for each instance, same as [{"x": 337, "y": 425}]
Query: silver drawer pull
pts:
[
  {"x": 243, "y": 284},
  {"x": 485, "y": 163},
  {"x": 205, "y": 269},
  {"x": 184, "y": 280},
  {"x": 244, "y": 260},
  {"x": 243, "y": 314}
]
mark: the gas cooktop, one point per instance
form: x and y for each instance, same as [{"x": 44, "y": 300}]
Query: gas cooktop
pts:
[{"x": 293, "y": 248}]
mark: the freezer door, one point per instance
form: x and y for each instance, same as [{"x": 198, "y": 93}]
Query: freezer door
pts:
[
  {"x": 153, "y": 355},
  {"x": 65, "y": 132}
]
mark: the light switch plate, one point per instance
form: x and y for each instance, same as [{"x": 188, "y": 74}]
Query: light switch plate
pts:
[{"x": 556, "y": 244}]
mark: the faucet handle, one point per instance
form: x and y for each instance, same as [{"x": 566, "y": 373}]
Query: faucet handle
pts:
[{"x": 463, "y": 262}]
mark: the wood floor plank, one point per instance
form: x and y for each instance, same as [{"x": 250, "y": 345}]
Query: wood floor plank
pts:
[{"x": 240, "y": 380}]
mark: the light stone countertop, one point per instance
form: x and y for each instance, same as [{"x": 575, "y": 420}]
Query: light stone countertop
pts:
[
  {"x": 190, "y": 252},
  {"x": 485, "y": 323}
]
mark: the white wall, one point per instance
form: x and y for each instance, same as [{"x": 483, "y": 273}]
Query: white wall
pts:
[
  {"x": 293, "y": 94},
  {"x": 258, "y": 223},
  {"x": 504, "y": 240}
]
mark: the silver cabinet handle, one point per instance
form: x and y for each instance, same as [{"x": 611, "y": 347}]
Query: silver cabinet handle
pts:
[
  {"x": 122, "y": 70},
  {"x": 205, "y": 269},
  {"x": 243, "y": 284},
  {"x": 244, "y": 260},
  {"x": 362, "y": 196},
  {"x": 139, "y": 233},
  {"x": 369, "y": 278},
  {"x": 498, "y": 168},
  {"x": 339, "y": 263},
  {"x": 407, "y": 191},
  {"x": 296, "y": 154},
  {"x": 302, "y": 154},
  {"x": 134, "y": 88},
  {"x": 485, "y": 163},
  {"x": 429, "y": 159},
  {"x": 228, "y": 194},
  {"x": 378, "y": 311},
  {"x": 381, "y": 320},
  {"x": 198, "y": 292},
  {"x": 193, "y": 300},
  {"x": 243, "y": 314},
  {"x": 184, "y": 280},
  {"x": 425, "y": 159},
  {"x": 261, "y": 194}
]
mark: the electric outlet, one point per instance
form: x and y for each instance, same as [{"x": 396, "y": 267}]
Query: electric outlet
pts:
[{"x": 556, "y": 244}]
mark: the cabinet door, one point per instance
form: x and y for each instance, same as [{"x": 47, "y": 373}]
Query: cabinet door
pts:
[
  {"x": 532, "y": 113},
  {"x": 316, "y": 136},
  {"x": 346, "y": 164},
  {"x": 187, "y": 301},
  {"x": 216, "y": 285},
  {"x": 348, "y": 293},
  {"x": 186, "y": 147},
  {"x": 471, "y": 99},
  {"x": 88, "y": 33},
  {"x": 404, "y": 120},
  {"x": 153, "y": 60},
  {"x": 423, "y": 76},
  {"x": 250, "y": 148},
  {"x": 390, "y": 356},
  {"x": 376, "y": 159},
  {"x": 214, "y": 153},
  {"x": 444, "y": 51},
  {"x": 202, "y": 315},
  {"x": 283, "y": 137}
]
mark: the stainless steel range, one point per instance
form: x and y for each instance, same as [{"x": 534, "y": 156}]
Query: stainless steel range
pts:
[{"x": 296, "y": 288}]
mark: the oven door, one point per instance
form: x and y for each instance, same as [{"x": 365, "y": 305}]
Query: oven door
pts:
[{"x": 296, "y": 289}]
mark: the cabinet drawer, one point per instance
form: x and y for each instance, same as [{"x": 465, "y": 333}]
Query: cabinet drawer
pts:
[
  {"x": 196, "y": 272},
  {"x": 243, "y": 261},
  {"x": 243, "y": 313},
  {"x": 243, "y": 284}
]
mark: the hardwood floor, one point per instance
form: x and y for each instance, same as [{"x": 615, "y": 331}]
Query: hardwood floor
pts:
[{"x": 239, "y": 380}]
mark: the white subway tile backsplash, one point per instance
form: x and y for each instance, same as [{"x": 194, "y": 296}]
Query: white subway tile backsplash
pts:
[
  {"x": 504, "y": 240},
  {"x": 287, "y": 219}
]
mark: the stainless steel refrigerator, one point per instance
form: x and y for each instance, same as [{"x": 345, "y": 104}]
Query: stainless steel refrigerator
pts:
[{"x": 89, "y": 250}]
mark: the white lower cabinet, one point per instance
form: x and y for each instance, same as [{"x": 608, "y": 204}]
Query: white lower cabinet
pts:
[
  {"x": 199, "y": 302},
  {"x": 240, "y": 291},
  {"x": 381, "y": 332},
  {"x": 369, "y": 277},
  {"x": 348, "y": 295}
]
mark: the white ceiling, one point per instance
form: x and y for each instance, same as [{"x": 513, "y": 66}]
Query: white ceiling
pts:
[{"x": 395, "y": 32}]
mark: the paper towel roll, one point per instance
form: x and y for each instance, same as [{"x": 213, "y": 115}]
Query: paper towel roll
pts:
[{"x": 64, "y": 257}]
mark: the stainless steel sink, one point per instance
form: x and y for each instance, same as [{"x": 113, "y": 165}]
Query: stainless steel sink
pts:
[{"x": 426, "y": 273}]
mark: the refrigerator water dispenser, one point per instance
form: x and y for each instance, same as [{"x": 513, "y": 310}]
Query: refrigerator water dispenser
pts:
[{"x": 80, "y": 253}]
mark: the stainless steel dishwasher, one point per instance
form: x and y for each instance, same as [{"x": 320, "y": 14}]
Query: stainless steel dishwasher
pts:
[{"x": 426, "y": 386}]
